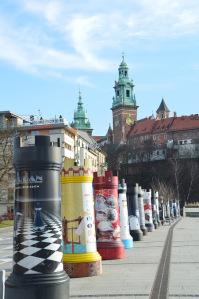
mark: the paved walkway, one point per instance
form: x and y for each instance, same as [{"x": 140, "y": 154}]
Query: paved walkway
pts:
[
  {"x": 184, "y": 267},
  {"x": 134, "y": 276}
]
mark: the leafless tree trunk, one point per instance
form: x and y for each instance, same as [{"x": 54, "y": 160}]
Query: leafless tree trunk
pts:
[
  {"x": 165, "y": 191},
  {"x": 6, "y": 155}
]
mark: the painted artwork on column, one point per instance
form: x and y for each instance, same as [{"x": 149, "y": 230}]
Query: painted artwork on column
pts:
[{"x": 107, "y": 216}]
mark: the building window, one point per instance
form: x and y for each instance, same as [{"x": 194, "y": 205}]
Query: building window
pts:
[
  {"x": 68, "y": 146},
  {"x": 128, "y": 93},
  {"x": 118, "y": 93}
]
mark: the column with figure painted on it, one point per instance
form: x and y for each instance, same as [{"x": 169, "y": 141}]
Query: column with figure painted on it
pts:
[
  {"x": 109, "y": 242},
  {"x": 81, "y": 258},
  {"x": 148, "y": 211}
]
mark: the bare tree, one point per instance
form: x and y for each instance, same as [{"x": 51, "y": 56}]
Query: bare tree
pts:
[
  {"x": 6, "y": 156},
  {"x": 165, "y": 190},
  {"x": 190, "y": 177},
  {"x": 176, "y": 169}
]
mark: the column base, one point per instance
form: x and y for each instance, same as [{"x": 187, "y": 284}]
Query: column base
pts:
[
  {"x": 137, "y": 235},
  {"x": 149, "y": 227},
  {"x": 144, "y": 230},
  {"x": 83, "y": 269},
  {"x": 35, "y": 286},
  {"x": 111, "y": 250},
  {"x": 155, "y": 225},
  {"x": 128, "y": 243},
  {"x": 159, "y": 222},
  {"x": 82, "y": 264}
]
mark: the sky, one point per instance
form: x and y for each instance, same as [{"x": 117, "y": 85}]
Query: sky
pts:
[{"x": 51, "y": 49}]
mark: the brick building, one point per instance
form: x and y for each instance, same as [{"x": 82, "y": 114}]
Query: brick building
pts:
[{"x": 153, "y": 138}]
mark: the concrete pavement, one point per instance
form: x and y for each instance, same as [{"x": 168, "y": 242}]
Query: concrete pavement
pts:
[
  {"x": 184, "y": 266},
  {"x": 133, "y": 277}
]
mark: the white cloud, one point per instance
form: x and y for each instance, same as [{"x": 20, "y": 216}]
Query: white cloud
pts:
[
  {"x": 77, "y": 35},
  {"x": 51, "y": 10}
]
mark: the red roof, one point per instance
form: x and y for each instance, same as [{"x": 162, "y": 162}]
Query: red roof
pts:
[
  {"x": 98, "y": 138},
  {"x": 151, "y": 126}
]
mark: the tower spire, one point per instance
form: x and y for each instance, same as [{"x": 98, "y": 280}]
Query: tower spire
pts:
[
  {"x": 81, "y": 121},
  {"x": 124, "y": 106},
  {"x": 162, "y": 111}
]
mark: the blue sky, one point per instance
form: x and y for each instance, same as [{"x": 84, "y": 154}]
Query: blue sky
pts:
[{"x": 51, "y": 49}]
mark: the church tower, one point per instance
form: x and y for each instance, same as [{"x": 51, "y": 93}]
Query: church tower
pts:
[
  {"x": 163, "y": 111},
  {"x": 124, "y": 106},
  {"x": 81, "y": 121}
]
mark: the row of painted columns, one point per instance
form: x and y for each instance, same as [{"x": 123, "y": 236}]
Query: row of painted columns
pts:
[{"x": 94, "y": 224}]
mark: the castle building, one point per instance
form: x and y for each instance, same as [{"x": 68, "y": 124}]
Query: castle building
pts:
[
  {"x": 124, "y": 108},
  {"x": 151, "y": 138}
]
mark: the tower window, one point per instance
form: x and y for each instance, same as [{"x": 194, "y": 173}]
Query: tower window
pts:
[
  {"x": 125, "y": 73},
  {"x": 118, "y": 93},
  {"x": 128, "y": 93}
]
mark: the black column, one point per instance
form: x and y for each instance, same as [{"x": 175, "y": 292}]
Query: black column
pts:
[{"x": 37, "y": 258}]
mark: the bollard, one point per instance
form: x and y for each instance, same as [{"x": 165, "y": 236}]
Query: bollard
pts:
[
  {"x": 162, "y": 212},
  {"x": 148, "y": 211},
  {"x": 141, "y": 211},
  {"x": 2, "y": 284},
  {"x": 81, "y": 258},
  {"x": 178, "y": 208},
  {"x": 109, "y": 242},
  {"x": 157, "y": 207},
  {"x": 37, "y": 259},
  {"x": 171, "y": 209},
  {"x": 154, "y": 209},
  {"x": 134, "y": 221},
  {"x": 124, "y": 224},
  {"x": 168, "y": 214}
]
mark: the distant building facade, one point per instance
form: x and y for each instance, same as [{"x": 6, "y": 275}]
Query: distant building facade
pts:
[
  {"x": 75, "y": 144},
  {"x": 157, "y": 139},
  {"x": 153, "y": 138}
]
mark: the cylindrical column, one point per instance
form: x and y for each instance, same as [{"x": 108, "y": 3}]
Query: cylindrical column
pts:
[
  {"x": 109, "y": 242},
  {"x": 154, "y": 209},
  {"x": 124, "y": 223},
  {"x": 178, "y": 208},
  {"x": 134, "y": 221},
  {"x": 174, "y": 207},
  {"x": 162, "y": 212},
  {"x": 37, "y": 260},
  {"x": 157, "y": 207},
  {"x": 148, "y": 211},
  {"x": 81, "y": 258},
  {"x": 168, "y": 214},
  {"x": 171, "y": 209},
  {"x": 141, "y": 211}
]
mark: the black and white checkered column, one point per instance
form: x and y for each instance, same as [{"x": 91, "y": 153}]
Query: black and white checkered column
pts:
[{"x": 37, "y": 244}]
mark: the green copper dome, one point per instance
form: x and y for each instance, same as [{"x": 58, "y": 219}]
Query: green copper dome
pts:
[
  {"x": 81, "y": 120},
  {"x": 124, "y": 94}
]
